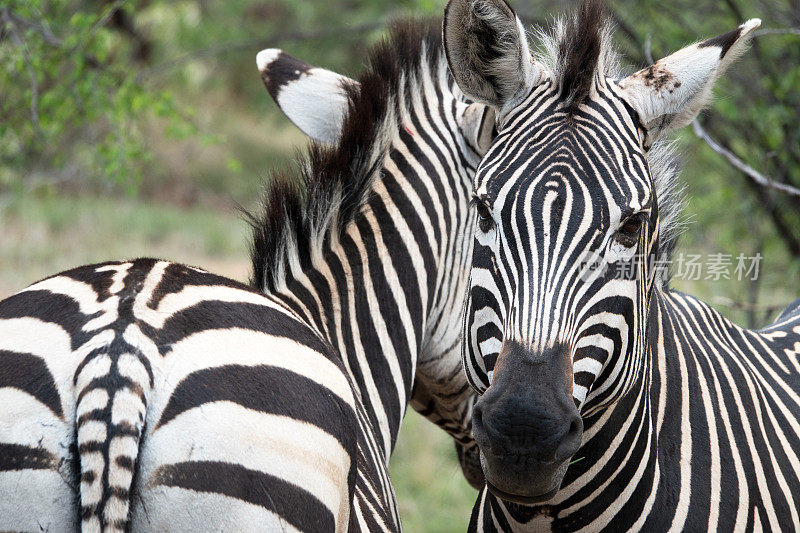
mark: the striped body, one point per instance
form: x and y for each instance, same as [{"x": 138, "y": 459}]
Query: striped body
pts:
[
  {"x": 96, "y": 357},
  {"x": 156, "y": 396}
]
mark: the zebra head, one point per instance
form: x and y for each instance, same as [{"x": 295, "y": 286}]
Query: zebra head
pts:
[{"x": 569, "y": 229}]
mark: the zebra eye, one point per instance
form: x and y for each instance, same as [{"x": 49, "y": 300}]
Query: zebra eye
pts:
[
  {"x": 628, "y": 233},
  {"x": 485, "y": 221}
]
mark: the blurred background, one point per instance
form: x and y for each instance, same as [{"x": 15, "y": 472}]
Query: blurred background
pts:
[{"x": 133, "y": 128}]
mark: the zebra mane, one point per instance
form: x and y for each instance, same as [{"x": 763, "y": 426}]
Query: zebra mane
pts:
[
  {"x": 302, "y": 212},
  {"x": 578, "y": 48}
]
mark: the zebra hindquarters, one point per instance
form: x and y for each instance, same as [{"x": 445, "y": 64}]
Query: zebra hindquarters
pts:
[
  {"x": 246, "y": 432},
  {"x": 38, "y": 475}
]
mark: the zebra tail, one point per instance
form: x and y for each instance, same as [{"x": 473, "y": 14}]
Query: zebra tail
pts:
[{"x": 112, "y": 387}]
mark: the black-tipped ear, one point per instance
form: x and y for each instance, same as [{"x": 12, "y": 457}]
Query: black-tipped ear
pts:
[
  {"x": 314, "y": 99},
  {"x": 670, "y": 93},
  {"x": 487, "y": 51}
]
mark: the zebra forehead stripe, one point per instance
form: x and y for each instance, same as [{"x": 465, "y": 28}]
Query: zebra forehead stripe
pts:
[{"x": 548, "y": 108}]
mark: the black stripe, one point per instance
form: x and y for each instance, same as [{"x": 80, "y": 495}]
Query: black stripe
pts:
[
  {"x": 266, "y": 389},
  {"x": 177, "y": 277},
  {"x": 295, "y": 505},
  {"x": 214, "y": 314},
  {"x": 18, "y": 457},
  {"x": 49, "y": 307},
  {"x": 281, "y": 71},
  {"x": 724, "y": 41},
  {"x": 30, "y": 374}
]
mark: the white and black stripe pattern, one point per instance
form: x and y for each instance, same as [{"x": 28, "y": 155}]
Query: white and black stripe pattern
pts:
[
  {"x": 83, "y": 350},
  {"x": 705, "y": 439},
  {"x": 397, "y": 270},
  {"x": 148, "y": 395},
  {"x": 610, "y": 402}
]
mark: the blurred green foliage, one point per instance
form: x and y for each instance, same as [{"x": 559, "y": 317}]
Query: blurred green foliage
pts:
[
  {"x": 69, "y": 91},
  {"x": 87, "y": 86}
]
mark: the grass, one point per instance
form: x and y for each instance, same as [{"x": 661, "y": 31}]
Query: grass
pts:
[
  {"x": 41, "y": 236},
  {"x": 431, "y": 491}
]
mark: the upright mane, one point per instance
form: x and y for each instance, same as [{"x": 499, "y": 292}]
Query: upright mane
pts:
[
  {"x": 302, "y": 213},
  {"x": 578, "y": 49}
]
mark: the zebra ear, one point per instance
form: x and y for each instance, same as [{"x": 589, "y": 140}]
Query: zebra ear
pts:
[
  {"x": 671, "y": 93},
  {"x": 477, "y": 126},
  {"x": 314, "y": 99},
  {"x": 487, "y": 51}
]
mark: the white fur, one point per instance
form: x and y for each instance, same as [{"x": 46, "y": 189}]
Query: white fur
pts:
[
  {"x": 316, "y": 104},
  {"x": 292, "y": 450},
  {"x": 178, "y": 509},
  {"x": 476, "y": 126},
  {"x": 265, "y": 57}
]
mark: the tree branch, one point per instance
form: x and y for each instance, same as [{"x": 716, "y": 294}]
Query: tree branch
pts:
[
  {"x": 103, "y": 20},
  {"x": 9, "y": 16},
  {"x": 776, "y": 31},
  {"x": 750, "y": 172}
]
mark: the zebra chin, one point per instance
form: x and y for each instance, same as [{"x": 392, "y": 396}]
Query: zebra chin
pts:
[{"x": 529, "y": 486}]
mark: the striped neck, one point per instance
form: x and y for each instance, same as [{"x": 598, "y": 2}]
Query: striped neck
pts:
[{"x": 386, "y": 292}]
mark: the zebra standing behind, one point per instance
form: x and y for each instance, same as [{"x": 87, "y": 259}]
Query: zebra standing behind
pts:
[
  {"x": 154, "y": 396},
  {"x": 608, "y": 401}
]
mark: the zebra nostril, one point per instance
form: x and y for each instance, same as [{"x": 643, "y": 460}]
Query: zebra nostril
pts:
[
  {"x": 571, "y": 440},
  {"x": 573, "y": 427},
  {"x": 478, "y": 428}
]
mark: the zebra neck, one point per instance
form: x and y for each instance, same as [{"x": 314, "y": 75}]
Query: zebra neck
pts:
[
  {"x": 387, "y": 292},
  {"x": 639, "y": 450},
  {"x": 680, "y": 331}
]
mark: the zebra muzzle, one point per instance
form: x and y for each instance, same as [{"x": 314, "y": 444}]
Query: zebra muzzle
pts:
[{"x": 527, "y": 425}]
